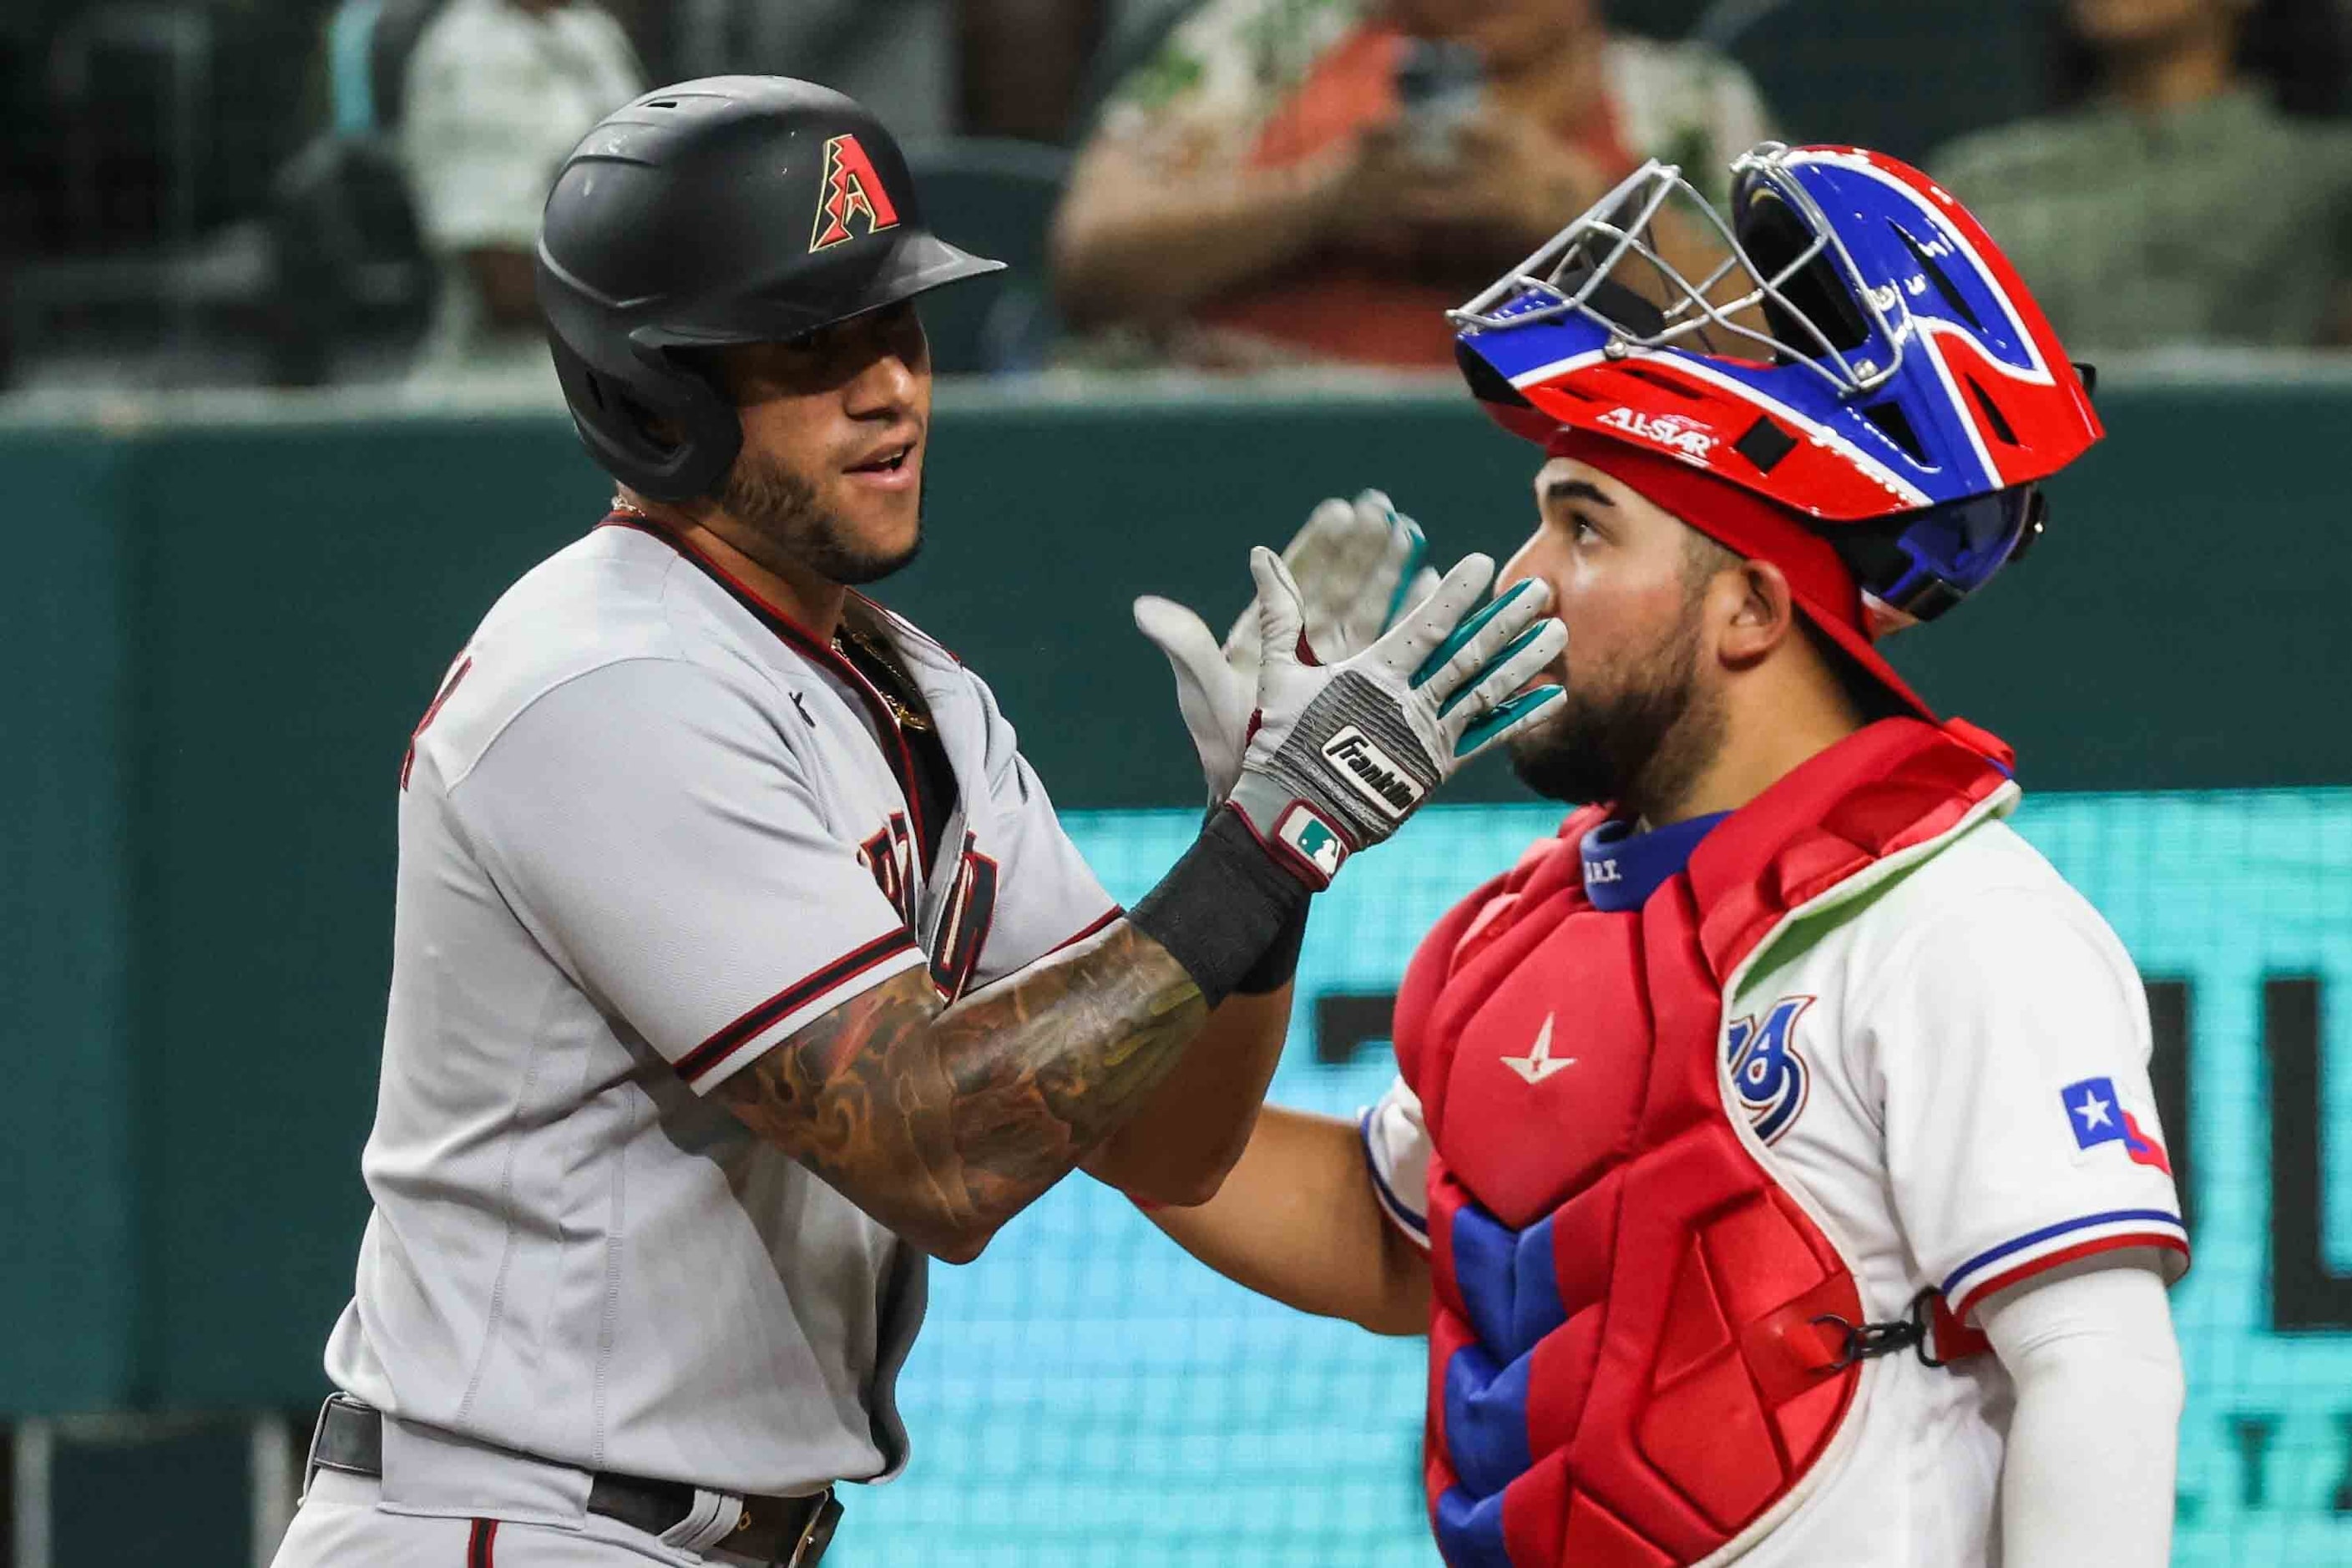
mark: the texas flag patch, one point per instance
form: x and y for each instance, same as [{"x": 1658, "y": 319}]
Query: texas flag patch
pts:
[{"x": 2097, "y": 1116}]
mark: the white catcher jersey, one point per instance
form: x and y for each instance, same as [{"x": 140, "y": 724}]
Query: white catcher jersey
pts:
[
  {"x": 1955, "y": 1074},
  {"x": 647, "y": 829}
]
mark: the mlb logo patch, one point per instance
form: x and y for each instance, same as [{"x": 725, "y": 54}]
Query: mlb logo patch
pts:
[
  {"x": 2097, "y": 1116},
  {"x": 1313, "y": 840}
]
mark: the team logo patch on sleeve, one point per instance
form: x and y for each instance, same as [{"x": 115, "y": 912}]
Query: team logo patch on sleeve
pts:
[
  {"x": 851, "y": 190},
  {"x": 2097, "y": 1116}
]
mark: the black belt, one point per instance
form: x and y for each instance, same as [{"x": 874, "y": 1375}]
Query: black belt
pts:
[{"x": 789, "y": 1531}]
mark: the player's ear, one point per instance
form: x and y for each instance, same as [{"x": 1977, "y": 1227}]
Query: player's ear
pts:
[{"x": 1758, "y": 613}]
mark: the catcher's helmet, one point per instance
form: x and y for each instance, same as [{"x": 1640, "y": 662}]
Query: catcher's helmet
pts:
[
  {"x": 737, "y": 209},
  {"x": 1857, "y": 353}
]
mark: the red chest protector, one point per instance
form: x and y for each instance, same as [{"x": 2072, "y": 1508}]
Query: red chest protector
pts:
[{"x": 1625, "y": 1366}]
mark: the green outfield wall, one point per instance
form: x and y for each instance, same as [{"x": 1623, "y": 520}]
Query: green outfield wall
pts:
[{"x": 223, "y": 623}]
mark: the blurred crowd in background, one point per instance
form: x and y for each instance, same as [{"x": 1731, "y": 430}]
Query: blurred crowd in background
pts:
[{"x": 199, "y": 192}]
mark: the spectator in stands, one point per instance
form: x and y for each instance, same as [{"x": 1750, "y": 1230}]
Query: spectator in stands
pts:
[
  {"x": 497, "y": 93},
  {"x": 2186, "y": 191},
  {"x": 1292, "y": 181}
]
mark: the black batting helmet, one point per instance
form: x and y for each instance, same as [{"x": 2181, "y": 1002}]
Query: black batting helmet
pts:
[{"x": 737, "y": 209}]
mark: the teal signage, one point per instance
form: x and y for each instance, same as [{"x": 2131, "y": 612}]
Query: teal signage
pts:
[{"x": 1085, "y": 1393}]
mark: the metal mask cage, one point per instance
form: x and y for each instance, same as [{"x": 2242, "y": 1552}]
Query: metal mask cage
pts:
[{"x": 1739, "y": 303}]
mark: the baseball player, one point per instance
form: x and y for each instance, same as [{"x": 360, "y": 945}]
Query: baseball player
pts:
[
  {"x": 1772, "y": 1161},
  {"x": 740, "y": 963}
]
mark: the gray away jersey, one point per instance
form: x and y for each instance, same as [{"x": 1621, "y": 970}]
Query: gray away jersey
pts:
[{"x": 647, "y": 829}]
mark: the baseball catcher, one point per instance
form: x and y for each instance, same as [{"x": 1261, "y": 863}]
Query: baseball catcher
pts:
[{"x": 1772, "y": 1161}]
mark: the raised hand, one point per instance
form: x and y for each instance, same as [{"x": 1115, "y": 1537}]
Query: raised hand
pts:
[
  {"x": 1357, "y": 566},
  {"x": 1341, "y": 754}
]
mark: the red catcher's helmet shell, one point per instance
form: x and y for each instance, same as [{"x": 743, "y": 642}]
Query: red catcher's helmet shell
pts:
[{"x": 1900, "y": 364}]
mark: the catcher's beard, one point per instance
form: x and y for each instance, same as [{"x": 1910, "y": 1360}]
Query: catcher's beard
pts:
[
  {"x": 1641, "y": 746},
  {"x": 762, "y": 492}
]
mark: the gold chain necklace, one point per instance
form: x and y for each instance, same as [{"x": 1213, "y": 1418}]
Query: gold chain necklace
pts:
[{"x": 903, "y": 712}]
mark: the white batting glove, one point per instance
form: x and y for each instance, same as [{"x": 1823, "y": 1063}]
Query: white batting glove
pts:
[
  {"x": 1342, "y": 753},
  {"x": 1398, "y": 579},
  {"x": 1357, "y": 566}
]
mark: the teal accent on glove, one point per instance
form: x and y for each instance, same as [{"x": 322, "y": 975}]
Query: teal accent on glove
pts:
[
  {"x": 1460, "y": 636},
  {"x": 1510, "y": 651},
  {"x": 1505, "y": 715},
  {"x": 1415, "y": 554}
]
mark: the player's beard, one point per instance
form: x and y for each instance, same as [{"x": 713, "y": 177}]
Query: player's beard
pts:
[
  {"x": 1641, "y": 746},
  {"x": 763, "y": 493}
]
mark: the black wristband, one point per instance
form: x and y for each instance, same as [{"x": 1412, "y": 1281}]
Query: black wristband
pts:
[
  {"x": 1222, "y": 906},
  {"x": 1276, "y": 965}
]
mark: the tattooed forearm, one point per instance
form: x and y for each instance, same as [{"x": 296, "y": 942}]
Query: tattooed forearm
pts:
[{"x": 945, "y": 1123}]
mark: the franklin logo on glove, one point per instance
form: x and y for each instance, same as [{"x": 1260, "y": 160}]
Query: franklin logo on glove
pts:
[
  {"x": 1364, "y": 743},
  {"x": 1374, "y": 773},
  {"x": 1334, "y": 711}
]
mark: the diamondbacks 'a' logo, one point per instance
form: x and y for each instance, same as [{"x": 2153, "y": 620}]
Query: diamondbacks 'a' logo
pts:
[
  {"x": 852, "y": 191},
  {"x": 1766, "y": 1068}
]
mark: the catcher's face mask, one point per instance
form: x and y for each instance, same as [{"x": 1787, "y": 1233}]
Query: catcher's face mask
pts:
[{"x": 1848, "y": 343}]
